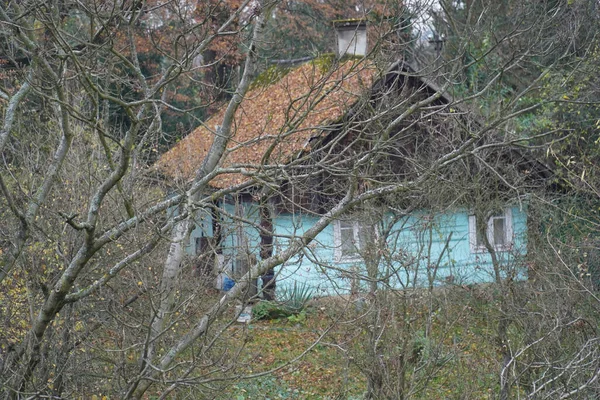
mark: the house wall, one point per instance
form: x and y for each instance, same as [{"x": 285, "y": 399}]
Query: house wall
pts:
[
  {"x": 202, "y": 228},
  {"x": 436, "y": 250},
  {"x": 421, "y": 250}
]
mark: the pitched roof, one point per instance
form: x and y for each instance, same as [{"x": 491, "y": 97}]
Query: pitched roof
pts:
[{"x": 279, "y": 117}]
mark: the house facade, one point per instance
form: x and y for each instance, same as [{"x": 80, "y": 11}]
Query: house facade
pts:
[
  {"x": 313, "y": 112},
  {"x": 418, "y": 250}
]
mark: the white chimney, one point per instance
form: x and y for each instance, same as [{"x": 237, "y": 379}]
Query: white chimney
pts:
[{"x": 351, "y": 37}]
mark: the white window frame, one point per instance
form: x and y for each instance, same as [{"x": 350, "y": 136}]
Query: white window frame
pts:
[
  {"x": 508, "y": 233},
  {"x": 337, "y": 240}
]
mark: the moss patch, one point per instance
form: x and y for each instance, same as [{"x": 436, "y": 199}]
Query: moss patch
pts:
[
  {"x": 275, "y": 73},
  {"x": 268, "y": 77},
  {"x": 328, "y": 61},
  {"x": 324, "y": 62}
]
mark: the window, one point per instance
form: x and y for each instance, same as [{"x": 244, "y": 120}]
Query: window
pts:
[
  {"x": 498, "y": 231},
  {"x": 350, "y": 237}
]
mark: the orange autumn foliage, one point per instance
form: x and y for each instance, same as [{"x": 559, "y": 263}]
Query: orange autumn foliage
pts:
[{"x": 274, "y": 122}]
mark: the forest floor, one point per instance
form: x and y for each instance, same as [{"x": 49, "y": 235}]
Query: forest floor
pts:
[{"x": 424, "y": 346}]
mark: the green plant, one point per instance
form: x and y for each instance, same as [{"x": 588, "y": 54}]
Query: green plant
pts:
[
  {"x": 297, "y": 297},
  {"x": 299, "y": 318},
  {"x": 292, "y": 305},
  {"x": 262, "y": 387},
  {"x": 270, "y": 310}
]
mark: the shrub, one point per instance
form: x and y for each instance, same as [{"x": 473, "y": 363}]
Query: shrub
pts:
[
  {"x": 297, "y": 297},
  {"x": 292, "y": 305}
]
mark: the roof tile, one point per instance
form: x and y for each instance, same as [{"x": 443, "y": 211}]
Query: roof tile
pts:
[{"x": 281, "y": 117}]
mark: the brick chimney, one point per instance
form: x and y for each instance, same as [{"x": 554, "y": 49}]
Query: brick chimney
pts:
[{"x": 351, "y": 37}]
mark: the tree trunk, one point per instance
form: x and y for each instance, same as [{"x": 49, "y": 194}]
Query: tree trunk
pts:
[
  {"x": 168, "y": 282},
  {"x": 266, "y": 248},
  {"x": 172, "y": 265}
]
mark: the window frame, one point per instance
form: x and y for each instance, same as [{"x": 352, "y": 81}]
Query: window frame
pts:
[
  {"x": 337, "y": 240},
  {"x": 508, "y": 232}
]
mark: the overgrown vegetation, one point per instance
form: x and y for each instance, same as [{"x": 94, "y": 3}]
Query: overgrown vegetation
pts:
[
  {"x": 98, "y": 297},
  {"x": 292, "y": 304},
  {"x": 456, "y": 340}
]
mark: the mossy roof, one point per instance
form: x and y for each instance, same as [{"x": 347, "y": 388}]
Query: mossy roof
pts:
[{"x": 278, "y": 118}]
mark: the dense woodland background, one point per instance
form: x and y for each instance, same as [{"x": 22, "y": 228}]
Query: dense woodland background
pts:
[{"x": 97, "y": 297}]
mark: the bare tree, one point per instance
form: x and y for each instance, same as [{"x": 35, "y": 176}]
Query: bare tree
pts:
[{"x": 96, "y": 303}]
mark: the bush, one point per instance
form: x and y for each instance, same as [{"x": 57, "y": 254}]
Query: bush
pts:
[
  {"x": 270, "y": 310},
  {"x": 297, "y": 297},
  {"x": 293, "y": 303}
]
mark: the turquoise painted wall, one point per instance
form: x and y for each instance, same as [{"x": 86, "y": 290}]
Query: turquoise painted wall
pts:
[
  {"x": 416, "y": 251},
  {"x": 202, "y": 228}
]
